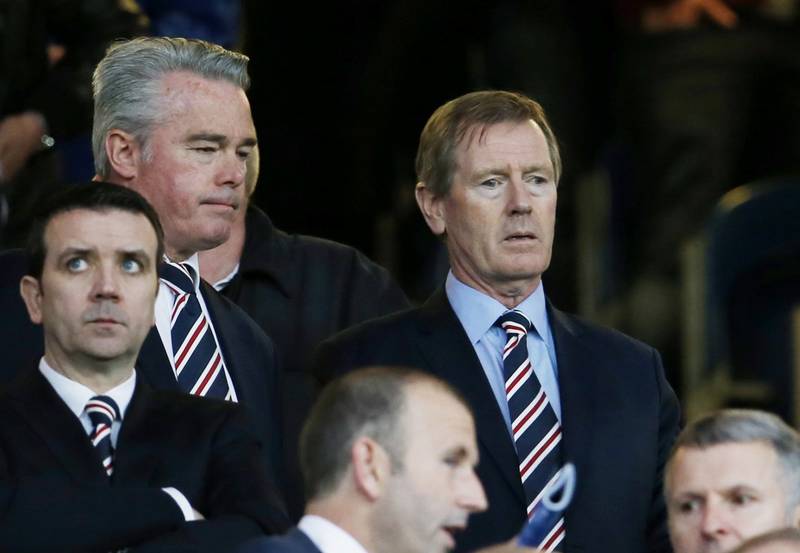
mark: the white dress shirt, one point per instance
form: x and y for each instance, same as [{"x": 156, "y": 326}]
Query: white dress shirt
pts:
[
  {"x": 76, "y": 396},
  {"x": 478, "y": 314},
  {"x": 163, "y": 312},
  {"x": 328, "y": 537}
]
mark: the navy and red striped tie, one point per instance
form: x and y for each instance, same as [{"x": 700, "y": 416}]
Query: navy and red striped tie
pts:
[
  {"x": 103, "y": 411},
  {"x": 536, "y": 430},
  {"x": 199, "y": 366}
]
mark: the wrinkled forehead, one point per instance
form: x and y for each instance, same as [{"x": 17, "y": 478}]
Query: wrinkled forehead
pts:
[{"x": 102, "y": 228}]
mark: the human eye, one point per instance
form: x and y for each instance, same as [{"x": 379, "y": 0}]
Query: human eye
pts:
[
  {"x": 490, "y": 183},
  {"x": 244, "y": 153},
  {"x": 131, "y": 265},
  {"x": 77, "y": 264},
  {"x": 687, "y": 506},
  {"x": 741, "y": 499}
]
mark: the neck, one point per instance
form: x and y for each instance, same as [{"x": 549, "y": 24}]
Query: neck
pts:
[
  {"x": 217, "y": 263},
  {"x": 510, "y": 293},
  {"x": 346, "y": 515},
  {"x": 98, "y": 376}
]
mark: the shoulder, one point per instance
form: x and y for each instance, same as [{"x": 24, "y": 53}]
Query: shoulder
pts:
[
  {"x": 598, "y": 337},
  {"x": 293, "y": 542},
  {"x": 233, "y": 321}
]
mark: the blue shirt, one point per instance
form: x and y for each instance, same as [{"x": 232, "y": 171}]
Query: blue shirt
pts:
[{"x": 478, "y": 314}]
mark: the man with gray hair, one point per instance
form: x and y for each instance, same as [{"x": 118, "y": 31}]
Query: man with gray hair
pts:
[
  {"x": 732, "y": 475},
  {"x": 172, "y": 122}
]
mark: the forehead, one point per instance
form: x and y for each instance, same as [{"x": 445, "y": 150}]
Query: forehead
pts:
[
  {"x": 435, "y": 419},
  {"x": 723, "y": 466},
  {"x": 508, "y": 141},
  {"x": 187, "y": 95},
  {"x": 103, "y": 230}
]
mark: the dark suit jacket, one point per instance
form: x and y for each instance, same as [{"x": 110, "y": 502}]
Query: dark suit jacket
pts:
[
  {"x": 206, "y": 449},
  {"x": 248, "y": 354},
  {"x": 619, "y": 418},
  {"x": 301, "y": 290},
  {"x": 295, "y": 541}
]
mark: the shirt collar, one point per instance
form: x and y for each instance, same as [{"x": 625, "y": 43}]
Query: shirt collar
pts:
[
  {"x": 328, "y": 537},
  {"x": 194, "y": 262},
  {"x": 478, "y": 312},
  {"x": 76, "y": 395}
]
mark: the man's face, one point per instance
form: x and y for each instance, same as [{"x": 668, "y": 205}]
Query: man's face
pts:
[
  {"x": 96, "y": 294},
  {"x": 499, "y": 215},
  {"x": 194, "y": 175},
  {"x": 437, "y": 488},
  {"x": 721, "y": 495}
]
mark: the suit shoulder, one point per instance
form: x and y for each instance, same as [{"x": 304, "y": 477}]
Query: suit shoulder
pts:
[
  {"x": 293, "y": 542},
  {"x": 185, "y": 406},
  {"x": 379, "y": 327},
  {"x": 234, "y": 319},
  {"x": 608, "y": 335}
]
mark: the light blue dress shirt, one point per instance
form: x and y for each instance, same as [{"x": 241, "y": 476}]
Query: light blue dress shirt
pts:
[{"x": 478, "y": 313}]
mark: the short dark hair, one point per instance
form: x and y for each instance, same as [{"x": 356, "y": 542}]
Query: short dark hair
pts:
[
  {"x": 451, "y": 123},
  {"x": 94, "y": 196},
  {"x": 365, "y": 402}
]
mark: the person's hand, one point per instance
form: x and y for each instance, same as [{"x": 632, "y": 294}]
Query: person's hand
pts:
[
  {"x": 685, "y": 14},
  {"x": 20, "y": 138},
  {"x": 509, "y": 547}
]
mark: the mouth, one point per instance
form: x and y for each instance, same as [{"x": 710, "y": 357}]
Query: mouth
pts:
[
  {"x": 450, "y": 532},
  {"x": 104, "y": 321},
  {"x": 520, "y": 237}
]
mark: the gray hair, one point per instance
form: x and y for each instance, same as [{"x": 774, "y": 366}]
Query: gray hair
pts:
[
  {"x": 126, "y": 83},
  {"x": 746, "y": 426}
]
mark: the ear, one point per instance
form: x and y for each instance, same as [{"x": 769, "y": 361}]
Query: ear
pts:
[
  {"x": 124, "y": 153},
  {"x": 431, "y": 208},
  {"x": 371, "y": 467},
  {"x": 31, "y": 292}
]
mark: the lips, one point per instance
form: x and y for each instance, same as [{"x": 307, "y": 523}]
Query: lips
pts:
[
  {"x": 520, "y": 236},
  {"x": 221, "y": 202}
]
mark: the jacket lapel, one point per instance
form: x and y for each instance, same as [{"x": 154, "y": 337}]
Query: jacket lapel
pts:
[
  {"x": 136, "y": 456},
  {"x": 578, "y": 390},
  {"x": 153, "y": 365},
  {"x": 50, "y": 418},
  {"x": 450, "y": 355}
]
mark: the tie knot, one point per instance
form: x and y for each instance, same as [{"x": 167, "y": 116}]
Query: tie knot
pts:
[
  {"x": 102, "y": 410},
  {"x": 514, "y": 322},
  {"x": 179, "y": 276}
]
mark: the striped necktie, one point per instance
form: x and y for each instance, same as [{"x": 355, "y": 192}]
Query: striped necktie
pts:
[
  {"x": 536, "y": 430},
  {"x": 199, "y": 367},
  {"x": 103, "y": 411}
]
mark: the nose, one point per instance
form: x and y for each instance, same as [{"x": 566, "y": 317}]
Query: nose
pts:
[
  {"x": 519, "y": 197},
  {"x": 714, "y": 523},
  {"x": 105, "y": 286},
  {"x": 232, "y": 170},
  {"x": 471, "y": 495}
]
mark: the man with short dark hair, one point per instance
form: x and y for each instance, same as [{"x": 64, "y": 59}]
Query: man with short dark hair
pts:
[
  {"x": 83, "y": 424},
  {"x": 732, "y": 475},
  {"x": 388, "y": 456},
  {"x": 545, "y": 387}
]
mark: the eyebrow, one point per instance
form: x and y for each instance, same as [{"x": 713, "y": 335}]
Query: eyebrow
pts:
[{"x": 220, "y": 139}]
